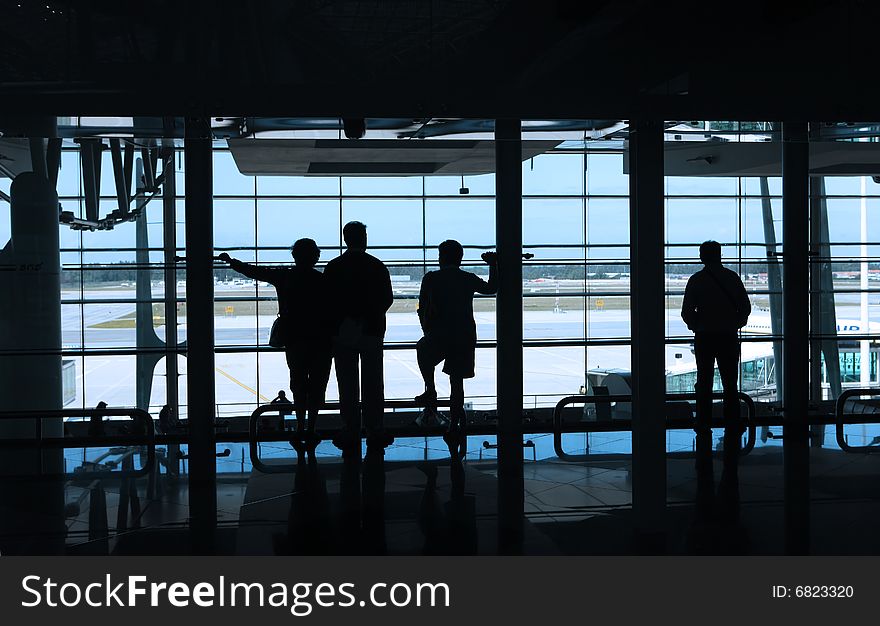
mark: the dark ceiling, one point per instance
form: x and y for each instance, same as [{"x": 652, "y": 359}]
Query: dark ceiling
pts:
[{"x": 681, "y": 59}]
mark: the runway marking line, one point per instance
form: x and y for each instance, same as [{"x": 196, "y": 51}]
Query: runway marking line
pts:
[{"x": 241, "y": 384}]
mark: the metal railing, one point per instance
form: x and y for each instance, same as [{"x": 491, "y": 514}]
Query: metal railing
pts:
[
  {"x": 626, "y": 424},
  {"x": 840, "y": 422},
  {"x": 142, "y": 435},
  {"x": 255, "y": 437}
]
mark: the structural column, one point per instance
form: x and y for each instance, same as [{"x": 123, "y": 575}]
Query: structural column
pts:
[
  {"x": 648, "y": 336},
  {"x": 30, "y": 363},
  {"x": 200, "y": 331},
  {"x": 508, "y": 234},
  {"x": 795, "y": 343},
  {"x": 169, "y": 246}
]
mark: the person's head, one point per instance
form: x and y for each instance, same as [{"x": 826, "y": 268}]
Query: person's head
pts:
[
  {"x": 710, "y": 252},
  {"x": 355, "y": 235},
  {"x": 281, "y": 393},
  {"x": 305, "y": 252},
  {"x": 451, "y": 253}
]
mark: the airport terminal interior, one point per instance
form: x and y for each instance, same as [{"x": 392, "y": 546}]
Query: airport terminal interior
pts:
[{"x": 145, "y": 410}]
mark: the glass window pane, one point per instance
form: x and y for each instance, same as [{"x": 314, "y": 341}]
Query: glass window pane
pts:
[
  {"x": 109, "y": 379},
  {"x": 695, "y": 221},
  {"x": 553, "y": 175},
  {"x": 701, "y": 186},
  {"x": 553, "y": 221},
  {"x": 550, "y": 373},
  {"x": 236, "y": 383},
  {"x": 470, "y": 221},
  {"x": 389, "y": 222},
  {"x": 607, "y": 221},
  {"x": 228, "y": 180},
  {"x": 281, "y": 222},
  {"x": 605, "y": 175},
  {"x": 479, "y": 185},
  {"x": 297, "y": 185},
  {"x": 382, "y": 186},
  {"x": 234, "y": 223}
]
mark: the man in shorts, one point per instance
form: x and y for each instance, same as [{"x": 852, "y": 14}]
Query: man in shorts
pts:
[{"x": 446, "y": 313}]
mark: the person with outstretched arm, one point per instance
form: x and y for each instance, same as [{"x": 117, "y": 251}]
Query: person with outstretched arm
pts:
[
  {"x": 302, "y": 309},
  {"x": 446, "y": 314}
]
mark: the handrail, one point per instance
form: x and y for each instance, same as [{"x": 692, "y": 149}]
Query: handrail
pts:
[
  {"x": 287, "y": 409},
  {"x": 839, "y": 421},
  {"x": 619, "y": 425},
  {"x": 145, "y": 438}
]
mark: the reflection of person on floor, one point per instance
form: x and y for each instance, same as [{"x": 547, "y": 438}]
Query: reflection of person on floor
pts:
[
  {"x": 446, "y": 313},
  {"x": 359, "y": 286},
  {"x": 302, "y": 307},
  {"x": 349, "y": 522},
  {"x": 309, "y": 530},
  {"x": 430, "y": 519},
  {"x": 461, "y": 510},
  {"x": 373, "y": 512},
  {"x": 715, "y": 307},
  {"x": 361, "y": 520},
  {"x": 451, "y": 528}
]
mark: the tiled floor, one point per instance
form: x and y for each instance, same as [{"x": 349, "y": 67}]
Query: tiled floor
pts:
[{"x": 416, "y": 501}]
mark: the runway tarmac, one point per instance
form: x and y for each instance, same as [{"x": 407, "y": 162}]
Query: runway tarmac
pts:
[{"x": 549, "y": 372}]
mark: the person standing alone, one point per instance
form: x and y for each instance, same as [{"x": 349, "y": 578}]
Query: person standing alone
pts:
[{"x": 715, "y": 307}]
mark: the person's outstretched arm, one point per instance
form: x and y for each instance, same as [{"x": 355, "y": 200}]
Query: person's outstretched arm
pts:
[
  {"x": 490, "y": 287},
  {"x": 266, "y": 274},
  {"x": 688, "y": 306}
]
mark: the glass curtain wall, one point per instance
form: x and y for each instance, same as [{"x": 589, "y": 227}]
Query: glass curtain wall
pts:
[{"x": 576, "y": 286}]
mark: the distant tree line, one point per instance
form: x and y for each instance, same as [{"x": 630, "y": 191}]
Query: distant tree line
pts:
[{"x": 122, "y": 272}]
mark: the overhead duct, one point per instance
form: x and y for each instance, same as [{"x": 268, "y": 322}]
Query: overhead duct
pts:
[{"x": 380, "y": 157}]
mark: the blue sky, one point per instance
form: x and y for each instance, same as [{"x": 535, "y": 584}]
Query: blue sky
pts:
[{"x": 240, "y": 222}]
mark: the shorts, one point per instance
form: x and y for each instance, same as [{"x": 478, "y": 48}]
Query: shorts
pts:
[{"x": 458, "y": 356}]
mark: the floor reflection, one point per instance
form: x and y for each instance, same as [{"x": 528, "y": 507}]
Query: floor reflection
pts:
[
  {"x": 350, "y": 518},
  {"x": 450, "y": 526},
  {"x": 718, "y": 503},
  {"x": 717, "y": 527}
]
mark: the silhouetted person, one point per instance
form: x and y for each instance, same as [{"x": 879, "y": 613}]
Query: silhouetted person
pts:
[
  {"x": 283, "y": 402},
  {"x": 715, "y": 307},
  {"x": 302, "y": 307},
  {"x": 281, "y": 399},
  {"x": 360, "y": 288},
  {"x": 169, "y": 422},
  {"x": 96, "y": 421},
  {"x": 446, "y": 313}
]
